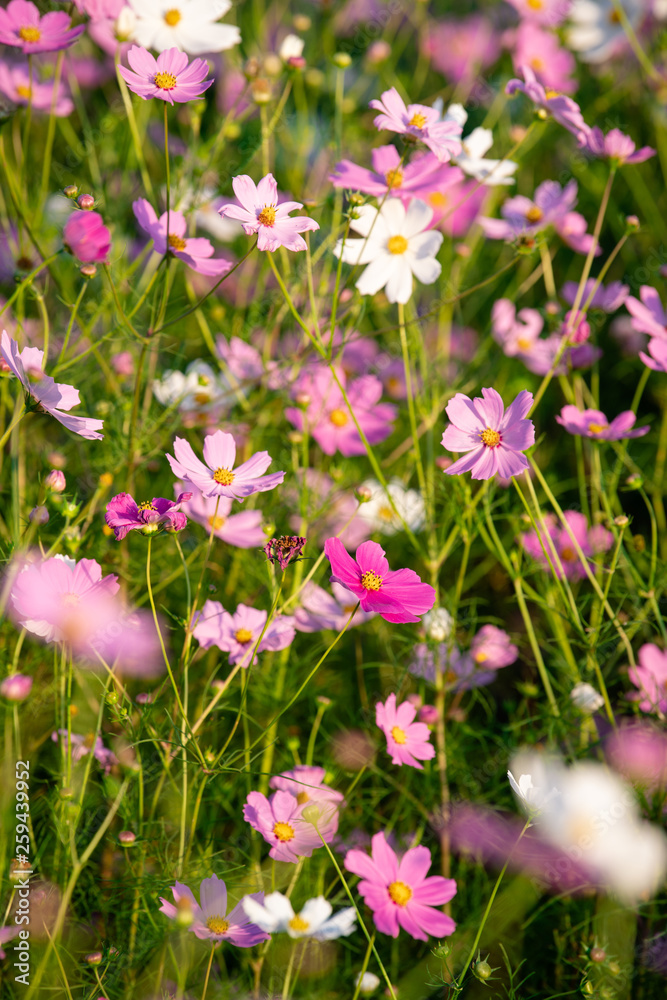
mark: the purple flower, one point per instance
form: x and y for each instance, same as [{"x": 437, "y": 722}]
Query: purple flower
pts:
[
  {"x": 418, "y": 122},
  {"x": 657, "y": 354},
  {"x": 52, "y": 396},
  {"x": 211, "y": 920},
  {"x": 82, "y": 745},
  {"x": 260, "y": 213},
  {"x": 493, "y": 437},
  {"x": 219, "y": 477},
  {"x": 615, "y": 146},
  {"x": 648, "y": 316},
  {"x": 563, "y": 109},
  {"x": 168, "y": 77},
  {"x": 124, "y": 514},
  {"x": 197, "y": 252},
  {"x": 594, "y": 424},
  {"x": 609, "y": 298},
  {"x": 284, "y": 549},
  {"x": 242, "y": 530},
  {"x": 237, "y": 633},
  {"x": 15, "y": 83},
  {"x": 22, "y": 26},
  {"x": 515, "y": 332},
  {"x": 524, "y": 218},
  {"x": 280, "y": 821},
  {"x": 320, "y": 610}
]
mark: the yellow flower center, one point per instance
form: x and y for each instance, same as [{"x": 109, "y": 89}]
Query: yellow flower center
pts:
[
  {"x": 418, "y": 120},
  {"x": 267, "y": 216},
  {"x": 224, "y": 476},
  {"x": 490, "y": 438},
  {"x": 89, "y": 740},
  {"x": 297, "y": 923},
  {"x": 243, "y": 635},
  {"x": 534, "y": 214},
  {"x": 216, "y": 522},
  {"x": 550, "y": 94},
  {"x": 398, "y": 735},
  {"x": 146, "y": 505},
  {"x": 176, "y": 242},
  {"x": 568, "y": 554},
  {"x": 172, "y": 17},
  {"x": 394, "y": 178},
  {"x": 400, "y": 893},
  {"x": 535, "y": 4},
  {"x": 216, "y": 923},
  {"x": 397, "y": 244},
  {"x": 371, "y": 580},
  {"x": 24, "y": 92},
  {"x": 386, "y": 514},
  {"x": 165, "y": 81},
  {"x": 29, "y": 34},
  {"x": 524, "y": 344},
  {"x": 338, "y": 418},
  {"x": 437, "y": 199},
  {"x": 302, "y": 798},
  {"x": 284, "y": 832},
  {"x": 201, "y": 397},
  {"x": 480, "y": 657},
  {"x": 597, "y": 428}
]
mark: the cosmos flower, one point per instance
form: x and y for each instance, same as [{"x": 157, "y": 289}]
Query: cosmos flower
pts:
[
  {"x": 319, "y": 610},
  {"x": 86, "y": 237},
  {"x": 15, "y": 84},
  {"x": 53, "y": 397},
  {"x": 515, "y": 332},
  {"x": 83, "y": 745},
  {"x": 123, "y": 514},
  {"x": 382, "y": 517},
  {"x": 596, "y": 32},
  {"x": 562, "y": 109},
  {"x": 407, "y": 740},
  {"x": 170, "y": 78},
  {"x": 279, "y": 820},
  {"x": 210, "y": 920},
  {"x": 418, "y": 123},
  {"x": 397, "y": 244},
  {"x": 243, "y": 530},
  {"x": 197, "y": 252},
  {"x": 594, "y": 424},
  {"x": 493, "y": 437},
  {"x": 401, "y": 893},
  {"x": 306, "y": 783},
  {"x": 219, "y": 477},
  {"x": 22, "y": 26},
  {"x": 650, "y": 679},
  {"x": 237, "y": 633},
  {"x": 523, "y": 218},
  {"x": 396, "y": 595},
  {"x": 390, "y": 177},
  {"x": 189, "y": 25},
  {"x": 276, "y": 915},
  {"x": 609, "y": 297},
  {"x": 657, "y": 354},
  {"x": 592, "y": 541},
  {"x": 540, "y": 49},
  {"x": 648, "y": 315},
  {"x": 492, "y": 648},
  {"x": 260, "y": 213},
  {"x": 615, "y": 146}
]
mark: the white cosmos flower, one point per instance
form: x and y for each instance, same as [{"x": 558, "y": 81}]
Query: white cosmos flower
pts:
[
  {"x": 199, "y": 388},
  {"x": 188, "y": 25},
  {"x": 471, "y": 158},
  {"x": 586, "y": 698},
  {"x": 367, "y": 983},
  {"x": 276, "y": 914},
  {"x": 292, "y": 47},
  {"x": 438, "y": 624},
  {"x": 596, "y": 31},
  {"x": 379, "y": 513},
  {"x": 396, "y": 245}
]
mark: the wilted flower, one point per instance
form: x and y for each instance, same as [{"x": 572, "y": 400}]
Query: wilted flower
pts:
[{"x": 284, "y": 549}]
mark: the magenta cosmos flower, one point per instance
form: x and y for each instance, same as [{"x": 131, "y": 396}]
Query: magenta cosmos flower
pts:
[
  {"x": 418, "y": 122},
  {"x": 260, "y": 213},
  {"x": 657, "y": 355},
  {"x": 562, "y": 109},
  {"x": 125, "y": 514},
  {"x": 401, "y": 893},
  {"x": 594, "y": 424},
  {"x": 219, "y": 477},
  {"x": 243, "y": 530},
  {"x": 22, "y": 26},
  {"x": 197, "y": 252},
  {"x": 493, "y": 437},
  {"x": 86, "y": 237},
  {"x": 390, "y": 177},
  {"x": 280, "y": 822},
  {"x": 615, "y": 146},
  {"x": 52, "y": 396},
  {"x": 523, "y": 218},
  {"x": 592, "y": 541},
  {"x": 237, "y": 633},
  {"x": 650, "y": 679},
  {"x": 168, "y": 77},
  {"x": 407, "y": 740},
  {"x": 397, "y": 595},
  {"x": 210, "y": 920}
]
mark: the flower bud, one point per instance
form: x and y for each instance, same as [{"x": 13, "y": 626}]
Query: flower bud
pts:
[
  {"x": 482, "y": 970},
  {"x": 88, "y": 270},
  {"x": 438, "y": 624},
  {"x": 251, "y": 68},
  {"x": 55, "y": 481},
  {"x": 363, "y": 494},
  {"x": 127, "y": 838},
  {"x": 428, "y": 714},
  {"x": 301, "y": 22},
  {"x": 366, "y": 983},
  {"x": 323, "y": 701},
  {"x": 272, "y": 65},
  {"x": 598, "y": 955},
  {"x": 378, "y": 52},
  {"x": 16, "y": 687},
  {"x": 341, "y": 59},
  {"x": 261, "y": 91},
  {"x": 632, "y": 222},
  {"x": 443, "y": 950},
  {"x": 112, "y": 698},
  {"x": 312, "y": 813},
  {"x": 621, "y": 521},
  {"x": 70, "y": 509},
  {"x": 39, "y": 515},
  {"x": 634, "y": 482},
  {"x": 86, "y": 202},
  {"x": 94, "y": 958},
  {"x": 71, "y": 191}
]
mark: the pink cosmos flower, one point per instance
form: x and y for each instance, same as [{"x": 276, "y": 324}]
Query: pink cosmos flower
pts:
[
  {"x": 615, "y": 146},
  {"x": 493, "y": 437},
  {"x": 492, "y": 648},
  {"x": 547, "y": 12},
  {"x": 306, "y": 784},
  {"x": 407, "y": 740},
  {"x": 563, "y": 109},
  {"x": 594, "y": 424},
  {"x": 609, "y": 297},
  {"x": 328, "y": 418},
  {"x": 400, "y": 893},
  {"x": 592, "y": 541},
  {"x": 237, "y": 633},
  {"x": 648, "y": 315},
  {"x": 16, "y": 687},
  {"x": 455, "y": 202},
  {"x": 86, "y": 237},
  {"x": 196, "y": 252},
  {"x": 211, "y": 922},
  {"x": 657, "y": 354},
  {"x": 219, "y": 477},
  {"x": 463, "y": 48},
  {"x": 639, "y": 751},
  {"x": 243, "y": 530},
  {"x": 83, "y": 745},
  {"x": 15, "y": 84},
  {"x": 539, "y": 49},
  {"x": 260, "y": 213},
  {"x": 123, "y": 514},
  {"x": 389, "y": 176},
  {"x": 170, "y": 77},
  {"x": 524, "y": 218},
  {"x": 397, "y": 595},
  {"x": 22, "y": 26},
  {"x": 418, "y": 122},
  {"x": 515, "y": 332},
  {"x": 243, "y": 361},
  {"x": 650, "y": 679},
  {"x": 52, "y": 396},
  {"x": 320, "y": 610},
  {"x": 280, "y": 822}
]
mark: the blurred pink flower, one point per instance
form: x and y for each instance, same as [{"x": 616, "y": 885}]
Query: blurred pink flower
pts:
[
  {"x": 389, "y": 176},
  {"x": 639, "y": 752},
  {"x": 197, "y": 252},
  {"x": 238, "y": 633},
  {"x": 418, "y": 122},
  {"x": 407, "y": 740},
  {"x": 83, "y": 745},
  {"x": 547, "y": 12},
  {"x": 515, "y": 332},
  {"x": 170, "y": 77},
  {"x": 524, "y": 218},
  {"x": 592, "y": 541},
  {"x": 594, "y": 424},
  {"x": 493, "y": 437},
  {"x": 279, "y": 820},
  {"x": 563, "y": 109},
  {"x": 615, "y": 146},
  {"x": 492, "y": 648},
  {"x": 539, "y": 49},
  {"x": 260, "y": 213},
  {"x": 210, "y": 921},
  {"x": 15, "y": 84},
  {"x": 243, "y": 530},
  {"x": 306, "y": 784},
  {"x": 650, "y": 679},
  {"x": 400, "y": 893},
  {"x": 320, "y": 610},
  {"x": 22, "y": 26},
  {"x": 86, "y": 237},
  {"x": 609, "y": 297},
  {"x": 461, "y": 49},
  {"x": 657, "y": 354},
  {"x": 648, "y": 315}
]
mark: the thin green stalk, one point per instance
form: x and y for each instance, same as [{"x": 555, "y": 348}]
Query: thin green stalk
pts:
[
  {"x": 51, "y": 130},
  {"x": 75, "y": 309}
]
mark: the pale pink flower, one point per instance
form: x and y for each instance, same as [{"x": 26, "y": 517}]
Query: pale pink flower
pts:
[
  {"x": 197, "y": 252},
  {"x": 615, "y": 146},
  {"x": 648, "y": 315},
  {"x": 210, "y": 920},
  {"x": 407, "y": 740},
  {"x": 243, "y": 530},
  {"x": 515, "y": 332},
  {"x": 306, "y": 784},
  {"x": 594, "y": 424},
  {"x": 237, "y": 633},
  {"x": 563, "y": 109},
  {"x": 650, "y": 679},
  {"x": 15, "y": 84},
  {"x": 418, "y": 122},
  {"x": 170, "y": 77},
  {"x": 86, "y": 237},
  {"x": 83, "y": 745},
  {"x": 592, "y": 541},
  {"x": 279, "y": 820},
  {"x": 320, "y": 610},
  {"x": 493, "y": 437},
  {"x": 218, "y": 477},
  {"x": 539, "y": 49},
  {"x": 260, "y": 213},
  {"x": 22, "y": 26}
]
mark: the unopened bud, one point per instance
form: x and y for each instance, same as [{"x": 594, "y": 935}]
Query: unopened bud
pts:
[
  {"x": 127, "y": 838},
  {"x": 88, "y": 270},
  {"x": 634, "y": 482},
  {"x": 312, "y": 813},
  {"x": 112, "y": 698},
  {"x": 378, "y": 52},
  {"x": 588, "y": 989},
  {"x": 16, "y": 687},
  {"x": 363, "y": 494},
  {"x": 272, "y": 65},
  {"x": 39, "y": 515},
  {"x": 70, "y": 509},
  {"x": 86, "y": 202},
  {"x": 94, "y": 958},
  {"x": 341, "y": 59},
  {"x": 251, "y": 68},
  {"x": 482, "y": 970},
  {"x": 438, "y": 624},
  {"x": 632, "y": 222},
  {"x": 55, "y": 481},
  {"x": 301, "y": 22},
  {"x": 261, "y": 91},
  {"x": 323, "y": 701},
  {"x": 71, "y": 191},
  {"x": 598, "y": 955},
  {"x": 621, "y": 521}
]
